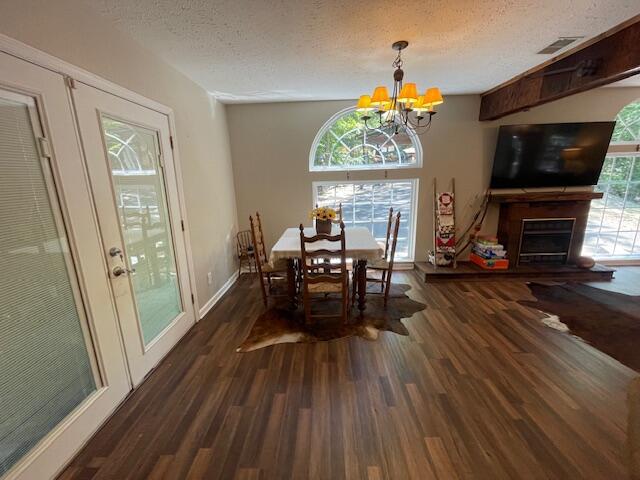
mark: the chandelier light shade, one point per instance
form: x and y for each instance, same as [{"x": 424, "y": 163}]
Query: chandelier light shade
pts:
[
  {"x": 380, "y": 97},
  {"x": 404, "y": 107},
  {"x": 364, "y": 104},
  {"x": 409, "y": 93},
  {"x": 433, "y": 97}
]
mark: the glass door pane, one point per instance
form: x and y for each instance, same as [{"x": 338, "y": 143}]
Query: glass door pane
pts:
[
  {"x": 138, "y": 180},
  {"x": 45, "y": 368}
]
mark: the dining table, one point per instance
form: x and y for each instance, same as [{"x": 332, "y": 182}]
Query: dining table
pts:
[{"x": 360, "y": 246}]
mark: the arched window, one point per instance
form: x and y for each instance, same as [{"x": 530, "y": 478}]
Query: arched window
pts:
[
  {"x": 343, "y": 143},
  {"x": 613, "y": 229}
]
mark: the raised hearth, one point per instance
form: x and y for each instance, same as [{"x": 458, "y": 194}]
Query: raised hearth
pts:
[{"x": 469, "y": 272}]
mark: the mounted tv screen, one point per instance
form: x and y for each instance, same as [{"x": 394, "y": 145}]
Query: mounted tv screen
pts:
[{"x": 550, "y": 155}]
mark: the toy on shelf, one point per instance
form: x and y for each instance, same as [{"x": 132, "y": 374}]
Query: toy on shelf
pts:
[{"x": 444, "y": 227}]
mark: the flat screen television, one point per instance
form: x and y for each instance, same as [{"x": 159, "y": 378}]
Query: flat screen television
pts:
[{"x": 550, "y": 155}]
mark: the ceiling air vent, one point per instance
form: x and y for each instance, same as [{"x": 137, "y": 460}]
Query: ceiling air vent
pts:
[{"x": 558, "y": 45}]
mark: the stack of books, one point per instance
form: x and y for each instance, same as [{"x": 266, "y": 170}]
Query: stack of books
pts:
[{"x": 488, "y": 253}]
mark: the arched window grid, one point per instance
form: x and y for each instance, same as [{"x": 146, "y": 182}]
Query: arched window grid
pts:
[{"x": 359, "y": 137}]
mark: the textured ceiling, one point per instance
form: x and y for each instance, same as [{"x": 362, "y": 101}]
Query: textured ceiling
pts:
[{"x": 252, "y": 51}]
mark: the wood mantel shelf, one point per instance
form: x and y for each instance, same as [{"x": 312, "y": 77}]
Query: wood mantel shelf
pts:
[{"x": 524, "y": 197}]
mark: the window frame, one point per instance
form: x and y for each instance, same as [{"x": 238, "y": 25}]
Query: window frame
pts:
[
  {"x": 619, "y": 149},
  {"x": 412, "y": 223},
  {"x": 327, "y": 126}
]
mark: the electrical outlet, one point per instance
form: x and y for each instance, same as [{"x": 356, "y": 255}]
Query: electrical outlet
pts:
[{"x": 209, "y": 278}]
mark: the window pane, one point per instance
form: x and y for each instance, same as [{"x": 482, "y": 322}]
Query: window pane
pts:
[
  {"x": 616, "y": 195},
  {"x": 345, "y": 143},
  {"x": 614, "y": 220},
  {"x": 624, "y": 244},
  {"x": 633, "y": 193},
  {"x": 621, "y": 169},
  {"x": 45, "y": 370},
  {"x": 630, "y": 220},
  {"x": 367, "y": 204},
  {"x": 627, "y": 124},
  {"x": 595, "y": 219}
]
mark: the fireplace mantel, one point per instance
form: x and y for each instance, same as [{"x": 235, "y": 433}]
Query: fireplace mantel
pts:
[{"x": 526, "y": 197}]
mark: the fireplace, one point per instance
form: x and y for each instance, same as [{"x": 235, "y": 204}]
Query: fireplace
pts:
[
  {"x": 543, "y": 228},
  {"x": 545, "y": 240}
]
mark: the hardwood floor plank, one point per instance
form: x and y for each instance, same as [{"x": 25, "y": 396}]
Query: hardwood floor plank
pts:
[
  {"x": 200, "y": 464},
  {"x": 160, "y": 468},
  {"x": 480, "y": 389},
  {"x": 442, "y": 463}
]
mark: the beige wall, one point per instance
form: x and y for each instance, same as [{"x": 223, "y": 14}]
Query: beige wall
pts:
[
  {"x": 270, "y": 147},
  {"x": 70, "y": 31}
]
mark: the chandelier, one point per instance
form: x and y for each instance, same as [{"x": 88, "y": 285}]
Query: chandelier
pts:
[{"x": 404, "y": 108}]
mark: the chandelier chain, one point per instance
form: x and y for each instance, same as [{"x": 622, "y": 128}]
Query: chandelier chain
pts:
[{"x": 397, "y": 63}]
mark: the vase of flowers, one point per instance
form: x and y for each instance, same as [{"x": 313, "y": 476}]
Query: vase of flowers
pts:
[{"x": 324, "y": 217}]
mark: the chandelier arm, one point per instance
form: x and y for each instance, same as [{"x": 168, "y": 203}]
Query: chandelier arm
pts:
[
  {"x": 366, "y": 124},
  {"x": 373, "y": 127}
]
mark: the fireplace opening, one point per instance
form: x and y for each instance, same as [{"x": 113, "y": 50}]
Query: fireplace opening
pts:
[{"x": 546, "y": 241}]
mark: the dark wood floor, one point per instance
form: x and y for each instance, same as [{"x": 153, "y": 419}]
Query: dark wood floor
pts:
[
  {"x": 626, "y": 280},
  {"x": 480, "y": 389}
]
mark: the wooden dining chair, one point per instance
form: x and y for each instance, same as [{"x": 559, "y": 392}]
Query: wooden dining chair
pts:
[
  {"x": 266, "y": 270},
  {"x": 388, "y": 237},
  {"x": 385, "y": 264},
  {"x": 245, "y": 250},
  {"x": 320, "y": 276}
]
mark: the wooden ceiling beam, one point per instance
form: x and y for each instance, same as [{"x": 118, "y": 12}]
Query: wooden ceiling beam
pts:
[{"x": 611, "y": 57}]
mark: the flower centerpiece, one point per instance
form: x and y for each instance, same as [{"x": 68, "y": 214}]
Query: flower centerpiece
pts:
[{"x": 324, "y": 217}]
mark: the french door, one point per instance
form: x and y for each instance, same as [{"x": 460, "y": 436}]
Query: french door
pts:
[
  {"x": 94, "y": 288},
  {"x": 62, "y": 368},
  {"x": 129, "y": 158}
]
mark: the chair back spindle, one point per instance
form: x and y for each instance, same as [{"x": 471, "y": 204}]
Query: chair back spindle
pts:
[
  {"x": 386, "y": 243},
  {"x": 395, "y": 227}
]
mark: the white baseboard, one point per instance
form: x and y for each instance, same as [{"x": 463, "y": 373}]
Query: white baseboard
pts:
[{"x": 218, "y": 295}]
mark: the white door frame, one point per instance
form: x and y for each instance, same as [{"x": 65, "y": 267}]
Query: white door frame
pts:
[{"x": 76, "y": 74}]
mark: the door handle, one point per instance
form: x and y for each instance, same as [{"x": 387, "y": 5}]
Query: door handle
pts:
[
  {"x": 115, "y": 251},
  {"x": 119, "y": 271}
]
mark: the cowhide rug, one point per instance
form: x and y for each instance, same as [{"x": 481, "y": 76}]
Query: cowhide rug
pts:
[
  {"x": 279, "y": 324},
  {"x": 607, "y": 320}
]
